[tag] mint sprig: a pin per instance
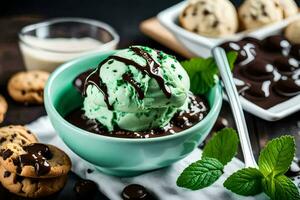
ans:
(274, 161)
(201, 174)
(246, 182)
(277, 156)
(222, 146)
(208, 170)
(202, 72)
(280, 187)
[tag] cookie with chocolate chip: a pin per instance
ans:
(28, 87)
(35, 160)
(254, 14)
(3, 108)
(207, 17)
(16, 134)
(30, 187)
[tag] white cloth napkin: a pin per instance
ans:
(161, 182)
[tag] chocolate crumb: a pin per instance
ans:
(89, 171)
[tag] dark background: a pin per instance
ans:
(123, 15)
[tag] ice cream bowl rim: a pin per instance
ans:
(52, 110)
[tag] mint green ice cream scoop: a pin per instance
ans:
(136, 89)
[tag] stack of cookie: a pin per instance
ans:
(28, 168)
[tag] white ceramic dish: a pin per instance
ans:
(201, 46)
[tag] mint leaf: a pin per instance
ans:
(223, 146)
(280, 187)
(202, 71)
(245, 182)
(200, 174)
(231, 57)
(277, 156)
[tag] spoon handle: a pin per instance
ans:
(233, 96)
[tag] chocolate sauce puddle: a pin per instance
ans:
(266, 71)
(183, 120)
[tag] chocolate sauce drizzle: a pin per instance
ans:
(128, 78)
(94, 79)
(36, 156)
(151, 69)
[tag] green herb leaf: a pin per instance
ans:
(223, 146)
(280, 187)
(200, 174)
(202, 72)
(277, 156)
(245, 182)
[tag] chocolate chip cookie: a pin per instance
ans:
(3, 108)
(30, 187)
(28, 87)
(16, 134)
(34, 160)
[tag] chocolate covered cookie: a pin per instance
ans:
(34, 160)
(28, 87)
(30, 187)
(16, 134)
(3, 108)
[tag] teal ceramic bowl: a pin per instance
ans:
(119, 156)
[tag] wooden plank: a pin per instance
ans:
(152, 28)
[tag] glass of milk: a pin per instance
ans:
(48, 44)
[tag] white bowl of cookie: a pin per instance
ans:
(201, 25)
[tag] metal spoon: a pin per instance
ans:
(233, 96)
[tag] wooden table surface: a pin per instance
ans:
(11, 62)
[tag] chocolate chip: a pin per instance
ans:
(206, 12)
(6, 154)
(215, 24)
(23, 92)
(254, 17)
(195, 30)
(18, 179)
(2, 140)
(6, 174)
(134, 192)
(85, 188)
